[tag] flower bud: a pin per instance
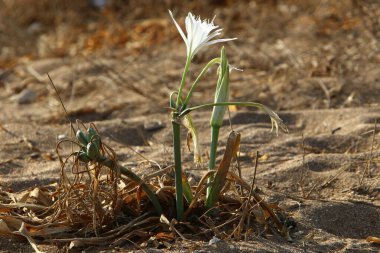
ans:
(83, 157)
(222, 91)
(92, 150)
(81, 137)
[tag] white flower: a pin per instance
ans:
(199, 33)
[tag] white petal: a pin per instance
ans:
(200, 33)
(214, 34)
(218, 40)
(179, 28)
(188, 23)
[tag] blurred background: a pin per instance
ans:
(295, 54)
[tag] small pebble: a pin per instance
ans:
(192, 181)
(34, 28)
(26, 96)
(99, 4)
(61, 137)
(153, 125)
(214, 240)
(34, 155)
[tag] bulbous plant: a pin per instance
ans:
(201, 34)
(92, 151)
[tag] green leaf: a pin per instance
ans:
(186, 189)
(81, 137)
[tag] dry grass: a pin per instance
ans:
(94, 205)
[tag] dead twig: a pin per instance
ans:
(369, 163)
(301, 181)
(259, 200)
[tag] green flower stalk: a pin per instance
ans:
(177, 167)
(221, 95)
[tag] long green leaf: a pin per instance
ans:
(128, 173)
(178, 168)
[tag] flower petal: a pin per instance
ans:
(179, 28)
(200, 33)
(218, 41)
(214, 34)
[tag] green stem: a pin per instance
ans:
(178, 168)
(204, 70)
(212, 161)
(185, 71)
(151, 195)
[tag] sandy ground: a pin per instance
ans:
(317, 65)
